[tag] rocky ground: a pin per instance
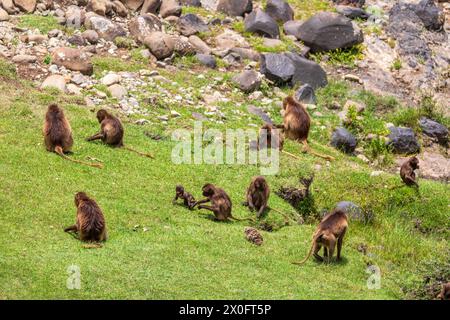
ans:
(138, 55)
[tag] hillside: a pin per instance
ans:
(158, 81)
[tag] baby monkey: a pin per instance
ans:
(188, 199)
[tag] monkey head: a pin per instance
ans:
(54, 111)
(414, 163)
(54, 108)
(179, 190)
(101, 115)
(80, 196)
(208, 190)
(260, 183)
(288, 101)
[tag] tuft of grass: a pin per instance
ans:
(346, 57)
(43, 23)
(124, 42)
(7, 69)
(397, 64)
(102, 64)
(334, 92)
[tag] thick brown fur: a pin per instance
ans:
(258, 194)
(220, 203)
(90, 222)
(112, 132)
(58, 134)
(188, 199)
(445, 293)
(407, 171)
(296, 124)
(331, 231)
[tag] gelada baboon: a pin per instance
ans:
(445, 293)
(188, 199)
(58, 134)
(269, 134)
(331, 231)
(220, 203)
(257, 196)
(111, 132)
(407, 171)
(296, 124)
(90, 222)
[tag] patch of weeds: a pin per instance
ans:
(258, 44)
(377, 149)
(396, 65)
(406, 117)
(103, 88)
(429, 108)
(102, 64)
(334, 92)
(7, 70)
(124, 43)
(48, 59)
(185, 62)
(346, 57)
(43, 23)
(375, 102)
(304, 9)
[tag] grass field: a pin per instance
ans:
(184, 254)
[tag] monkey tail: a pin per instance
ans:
(326, 157)
(148, 155)
(59, 151)
(286, 217)
(291, 155)
(243, 219)
(310, 251)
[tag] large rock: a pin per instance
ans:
(352, 210)
(403, 140)
(292, 28)
(434, 166)
(73, 59)
(150, 6)
(170, 8)
(24, 59)
(100, 7)
(235, 7)
(343, 140)
(105, 28)
(75, 17)
(142, 26)
(209, 4)
(207, 60)
(229, 39)
(352, 12)
(248, 81)
(192, 3)
(190, 24)
(307, 71)
(306, 94)
(4, 16)
(199, 45)
(55, 81)
(8, 5)
(277, 67)
(119, 8)
(435, 130)
(90, 36)
(261, 23)
(133, 5)
(279, 10)
(27, 6)
(160, 44)
(327, 31)
(429, 13)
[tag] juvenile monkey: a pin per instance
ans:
(90, 222)
(445, 293)
(111, 132)
(58, 134)
(296, 124)
(331, 231)
(258, 195)
(407, 171)
(220, 203)
(188, 199)
(269, 133)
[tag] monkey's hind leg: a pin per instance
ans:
(317, 248)
(97, 136)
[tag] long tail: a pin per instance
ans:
(291, 155)
(148, 155)
(309, 253)
(59, 151)
(329, 158)
(282, 213)
(244, 219)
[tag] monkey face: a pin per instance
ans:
(101, 115)
(259, 183)
(208, 190)
(414, 163)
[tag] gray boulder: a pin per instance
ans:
(207, 60)
(429, 13)
(403, 140)
(327, 31)
(307, 71)
(435, 130)
(352, 12)
(142, 26)
(190, 24)
(292, 28)
(277, 67)
(279, 10)
(248, 81)
(306, 94)
(261, 23)
(343, 140)
(235, 7)
(352, 210)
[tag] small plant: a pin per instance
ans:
(7, 70)
(378, 149)
(346, 57)
(396, 65)
(48, 59)
(124, 42)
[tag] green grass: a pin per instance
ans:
(346, 57)
(102, 64)
(184, 254)
(43, 23)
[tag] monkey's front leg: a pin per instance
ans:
(200, 202)
(175, 199)
(210, 208)
(97, 136)
(261, 211)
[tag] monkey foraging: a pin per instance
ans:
(407, 171)
(188, 199)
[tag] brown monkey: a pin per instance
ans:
(331, 231)
(220, 203)
(407, 171)
(296, 124)
(269, 133)
(58, 134)
(445, 293)
(111, 132)
(257, 195)
(188, 199)
(90, 224)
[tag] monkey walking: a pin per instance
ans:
(220, 203)
(331, 231)
(188, 199)
(90, 223)
(111, 132)
(58, 134)
(269, 133)
(296, 125)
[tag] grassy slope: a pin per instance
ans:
(184, 254)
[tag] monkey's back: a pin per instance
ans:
(57, 132)
(112, 130)
(407, 171)
(297, 123)
(222, 203)
(91, 222)
(335, 221)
